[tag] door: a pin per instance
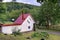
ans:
(34, 27)
(0, 29)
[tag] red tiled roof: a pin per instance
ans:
(19, 20)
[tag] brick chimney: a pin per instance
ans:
(23, 16)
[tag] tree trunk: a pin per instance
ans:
(47, 24)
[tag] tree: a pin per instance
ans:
(49, 12)
(25, 10)
(2, 7)
(53, 1)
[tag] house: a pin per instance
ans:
(23, 23)
(31, 2)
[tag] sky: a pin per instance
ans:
(32, 2)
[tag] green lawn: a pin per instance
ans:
(25, 35)
(54, 37)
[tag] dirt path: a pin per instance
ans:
(50, 31)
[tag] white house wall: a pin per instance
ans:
(6, 30)
(24, 26)
(16, 28)
(10, 29)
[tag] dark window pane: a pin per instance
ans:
(28, 21)
(28, 27)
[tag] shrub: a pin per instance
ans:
(17, 33)
(44, 34)
(35, 34)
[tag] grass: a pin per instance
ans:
(54, 37)
(18, 37)
(25, 35)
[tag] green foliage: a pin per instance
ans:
(52, 1)
(25, 10)
(43, 35)
(17, 33)
(13, 10)
(35, 13)
(49, 13)
(2, 8)
(35, 34)
(14, 14)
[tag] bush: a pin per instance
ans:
(17, 33)
(44, 34)
(35, 34)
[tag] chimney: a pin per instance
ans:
(22, 15)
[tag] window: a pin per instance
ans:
(28, 27)
(28, 21)
(0, 28)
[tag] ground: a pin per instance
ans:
(24, 36)
(49, 31)
(54, 37)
